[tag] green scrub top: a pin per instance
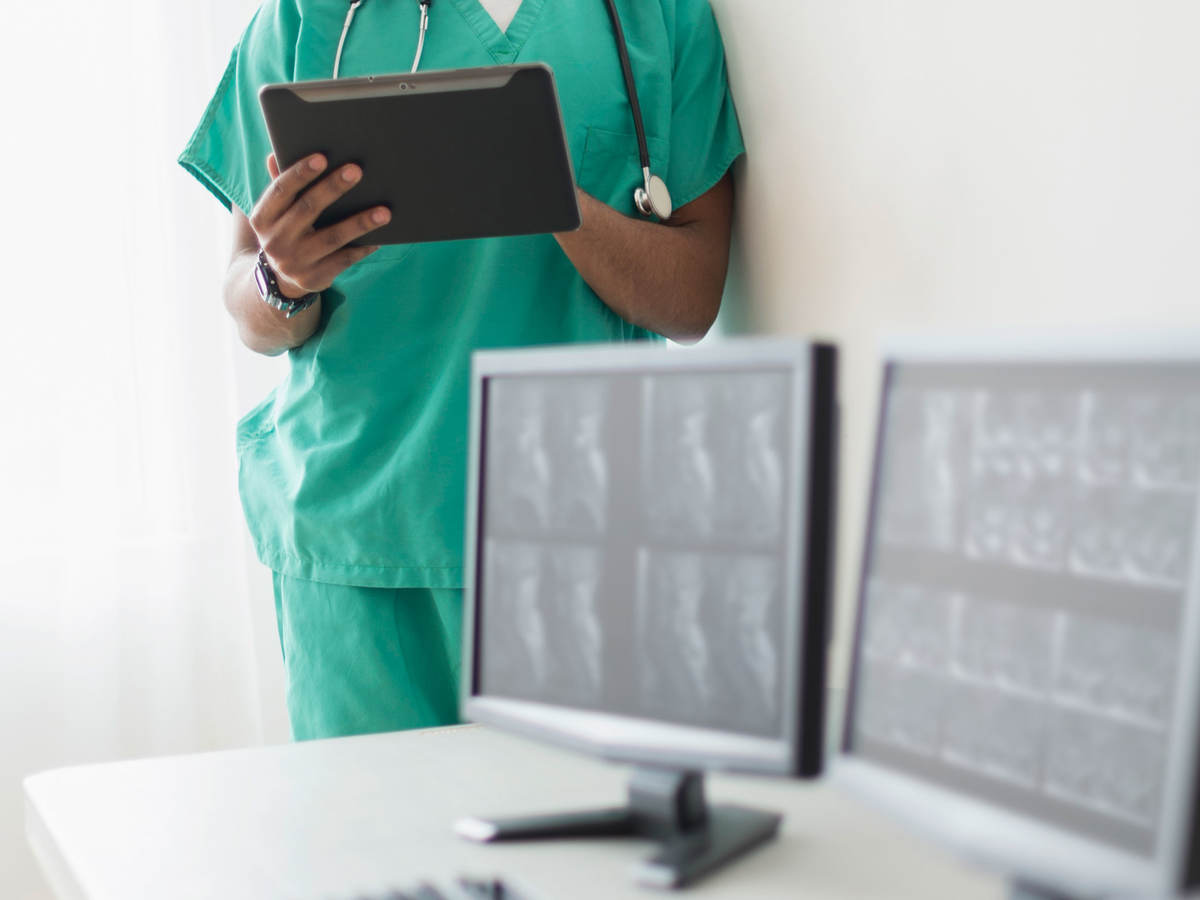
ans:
(353, 471)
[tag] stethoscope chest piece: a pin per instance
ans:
(654, 199)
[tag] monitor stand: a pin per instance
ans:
(664, 805)
(1024, 890)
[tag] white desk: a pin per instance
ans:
(334, 819)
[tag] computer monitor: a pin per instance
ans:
(648, 568)
(1025, 680)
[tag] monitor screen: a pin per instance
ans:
(647, 576)
(633, 543)
(1027, 562)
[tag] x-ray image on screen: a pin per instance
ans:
(680, 460)
(632, 553)
(900, 707)
(520, 454)
(584, 470)
(911, 625)
(1166, 445)
(546, 635)
(1124, 670)
(997, 734)
(1159, 547)
(572, 608)
(1136, 492)
(1106, 438)
(517, 659)
(1032, 540)
(995, 703)
(1003, 645)
(926, 475)
(674, 646)
(548, 455)
(1020, 505)
(1107, 765)
(1103, 532)
(713, 463)
(707, 639)
(748, 661)
(1133, 534)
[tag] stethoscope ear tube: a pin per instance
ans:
(425, 4)
(337, 60)
(652, 198)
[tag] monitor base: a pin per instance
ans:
(665, 806)
(1023, 890)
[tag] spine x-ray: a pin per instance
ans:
(634, 544)
(1025, 584)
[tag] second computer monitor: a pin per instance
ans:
(1025, 676)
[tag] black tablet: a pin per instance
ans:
(458, 153)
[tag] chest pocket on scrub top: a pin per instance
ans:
(611, 168)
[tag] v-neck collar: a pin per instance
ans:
(503, 46)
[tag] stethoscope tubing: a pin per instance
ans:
(337, 59)
(354, 5)
(630, 87)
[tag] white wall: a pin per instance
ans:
(940, 164)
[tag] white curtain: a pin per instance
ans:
(129, 625)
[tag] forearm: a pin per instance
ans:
(261, 328)
(664, 277)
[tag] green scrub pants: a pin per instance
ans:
(360, 660)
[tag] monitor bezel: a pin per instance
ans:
(1016, 844)
(625, 738)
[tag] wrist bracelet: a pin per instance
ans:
(268, 289)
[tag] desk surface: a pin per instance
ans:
(337, 819)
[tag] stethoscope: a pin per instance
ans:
(652, 198)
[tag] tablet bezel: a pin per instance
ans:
(560, 185)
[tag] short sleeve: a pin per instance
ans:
(228, 151)
(705, 137)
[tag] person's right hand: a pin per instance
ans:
(307, 259)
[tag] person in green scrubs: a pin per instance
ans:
(352, 472)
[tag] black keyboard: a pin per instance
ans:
(461, 889)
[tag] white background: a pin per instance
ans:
(126, 600)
